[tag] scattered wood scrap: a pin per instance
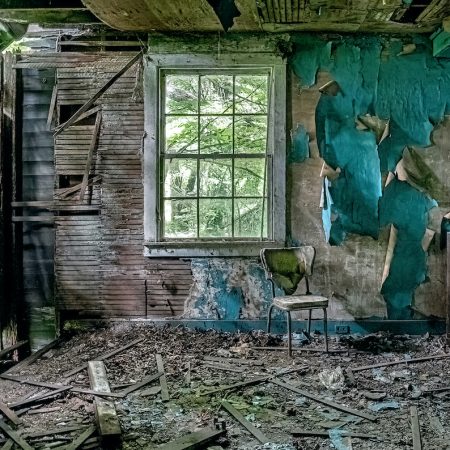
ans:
(245, 423)
(299, 349)
(105, 410)
(195, 440)
(9, 444)
(401, 361)
(34, 357)
(10, 349)
(55, 431)
(433, 390)
(39, 399)
(222, 367)
(103, 357)
(14, 436)
(8, 413)
(415, 428)
(252, 362)
(78, 442)
(44, 410)
(162, 380)
(237, 385)
(318, 399)
(140, 384)
(325, 434)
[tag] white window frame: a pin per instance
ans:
(154, 245)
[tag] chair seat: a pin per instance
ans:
(294, 302)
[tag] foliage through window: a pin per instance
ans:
(215, 165)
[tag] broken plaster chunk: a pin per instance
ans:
(379, 126)
(331, 88)
(407, 49)
(329, 172)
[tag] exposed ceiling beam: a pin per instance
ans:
(48, 15)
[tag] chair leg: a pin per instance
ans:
(309, 321)
(325, 328)
(269, 318)
(289, 335)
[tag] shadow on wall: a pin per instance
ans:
(373, 126)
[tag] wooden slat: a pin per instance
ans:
(14, 436)
(415, 427)
(245, 423)
(92, 147)
(11, 348)
(196, 440)
(105, 411)
(162, 381)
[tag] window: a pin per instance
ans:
(213, 171)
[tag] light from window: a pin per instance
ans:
(214, 155)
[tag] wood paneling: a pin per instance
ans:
(100, 267)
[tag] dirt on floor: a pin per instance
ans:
(375, 403)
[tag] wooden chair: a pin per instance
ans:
(285, 268)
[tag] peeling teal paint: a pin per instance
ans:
(407, 209)
(412, 92)
(300, 145)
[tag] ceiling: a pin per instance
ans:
(380, 16)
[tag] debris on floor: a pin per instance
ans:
(135, 386)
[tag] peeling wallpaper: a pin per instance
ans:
(411, 90)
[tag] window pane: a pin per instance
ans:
(181, 134)
(181, 94)
(250, 134)
(251, 94)
(215, 218)
(216, 95)
(216, 134)
(215, 177)
(180, 218)
(248, 218)
(249, 177)
(180, 177)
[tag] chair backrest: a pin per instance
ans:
(286, 267)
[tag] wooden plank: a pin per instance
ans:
(60, 430)
(219, 366)
(36, 219)
(11, 348)
(99, 43)
(98, 94)
(86, 114)
(78, 442)
(51, 109)
(48, 15)
(9, 444)
(104, 356)
(197, 440)
(401, 361)
(39, 399)
(325, 434)
(8, 413)
(237, 385)
(34, 357)
(105, 411)
(63, 193)
(252, 362)
(14, 436)
(318, 399)
(92, 146)
(245, 423)
(140, 384)
(162, 380)
(415, 428)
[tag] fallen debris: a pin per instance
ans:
(105, 411)
(245, 423)
(325, 434)
(14, 436)
(251, 362)
(81, 439)
(402, 361)
(197, 439)
(236, 386)
(324, 401)
(10, 414)
(162, 379)
(415, 427)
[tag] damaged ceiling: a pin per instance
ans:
(272, 15)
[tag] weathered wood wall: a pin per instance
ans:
(100, 267)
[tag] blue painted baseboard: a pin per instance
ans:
(279, 326)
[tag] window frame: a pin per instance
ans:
(154, 66)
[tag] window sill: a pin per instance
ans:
(207, 249)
